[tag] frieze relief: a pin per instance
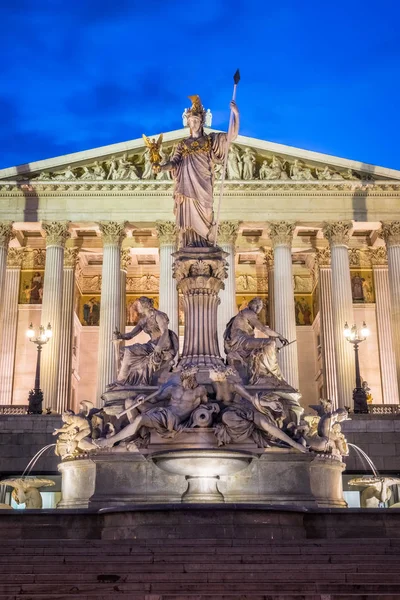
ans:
(248, 284)
(244, 164)
(359, 258)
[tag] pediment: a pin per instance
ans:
(250, 160)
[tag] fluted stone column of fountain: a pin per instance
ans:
(387, 357)
(126, 258)
(9, 321)
(67, 329)
(391, 235)
(168, 303)
(200, 273)
(110, 308)
(281, 234)
(227, 235)
(56, 235)
(323, 258)
(269, 261)
(338, 235)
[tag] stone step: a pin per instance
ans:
(243, 588)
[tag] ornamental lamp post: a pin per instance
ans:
(355, 337)
(35, 397)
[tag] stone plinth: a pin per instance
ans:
(200, 273)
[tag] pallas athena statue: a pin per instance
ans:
(192, 167)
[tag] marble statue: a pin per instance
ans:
(98, 171)
(274, 171)
(192, 170)
(164, 175)
(87, 174)
(75, 435)
(112, 168)
(260, 419)
(141, 361)
(241, 345)
(208, 118)
(26, 490)
(148, 172)
(44, 176)
(327, 174)
(328, 437)
(183, 396)
(234, 166)
(299, 172)
(125, 169)
(349, 174)
(377, 490)
(68, 174)
(249, 164)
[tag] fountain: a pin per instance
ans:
(200, 429)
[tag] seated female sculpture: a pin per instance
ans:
(258, 354)
(141, 361)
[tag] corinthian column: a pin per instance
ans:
(166, 232)
(66, 333)
(125, 262)
(9, 321)
(338, 235)
(391, 235)
(6, 234)
(323, 258)
(110, 308)
(269, 261)
(281, 234)
(387, 357)
(227, 235)
(56, 235)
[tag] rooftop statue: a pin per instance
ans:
(192, 167)
(141, 361)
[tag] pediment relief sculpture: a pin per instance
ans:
(244, 164)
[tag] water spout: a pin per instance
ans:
(34, 460)
(365, 457)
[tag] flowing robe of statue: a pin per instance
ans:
(194, 178)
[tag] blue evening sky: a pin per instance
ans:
(85, 73)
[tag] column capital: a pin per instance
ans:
(268, 257)
(126, 258)
(228, 232)
(281, 233)
(337, 232)
(6, 233)
(14, 258)
(112, 232)
(323, 257)
(56, 233)
(71, 256)
(166, 232)
(390, 232)
(378, 256)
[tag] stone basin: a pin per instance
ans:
(202, 469)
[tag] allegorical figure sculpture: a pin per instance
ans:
(183, 396)
(26, 490)
(259, 354)
(141, 361)
(192, 167)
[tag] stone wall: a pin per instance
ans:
(379, 437)
(21, 437)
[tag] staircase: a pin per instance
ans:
(200, 569)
